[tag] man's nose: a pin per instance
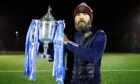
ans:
(81, 15)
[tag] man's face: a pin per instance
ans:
(82, 21)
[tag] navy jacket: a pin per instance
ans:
(92, 53)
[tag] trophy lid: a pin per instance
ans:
(48, 16)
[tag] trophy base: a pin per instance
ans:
(49, 58)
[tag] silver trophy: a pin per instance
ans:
(46, 31)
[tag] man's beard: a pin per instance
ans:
(82, 25)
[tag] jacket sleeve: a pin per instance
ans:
(92, 53)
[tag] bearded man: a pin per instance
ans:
(83, 66)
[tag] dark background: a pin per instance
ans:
(120, 19)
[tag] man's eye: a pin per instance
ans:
(85, 13)
(77, 14)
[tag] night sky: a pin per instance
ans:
(120, 19)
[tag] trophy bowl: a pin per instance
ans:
(46, 32)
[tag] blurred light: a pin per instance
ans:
(16, 33)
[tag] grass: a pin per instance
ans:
(16, 63)
(116, 69)
(122, 69)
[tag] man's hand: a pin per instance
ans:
(66, 40)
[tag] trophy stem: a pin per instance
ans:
(45, 48)
(48, 56)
